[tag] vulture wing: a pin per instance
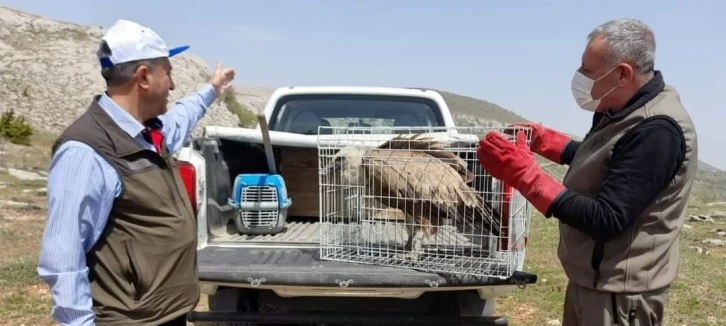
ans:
(425, 190)
(431, 147)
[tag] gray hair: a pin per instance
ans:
(628, 40)
(121, 73)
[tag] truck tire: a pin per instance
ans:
(226, 300)
(470, 304)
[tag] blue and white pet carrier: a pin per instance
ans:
(262, 202)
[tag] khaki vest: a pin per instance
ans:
(645, 257)
(143, 269)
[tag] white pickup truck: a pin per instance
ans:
(279, 277)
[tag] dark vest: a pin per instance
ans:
(143, 269)
(645, 257)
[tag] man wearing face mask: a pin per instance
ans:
(623, 201)
(119, 246)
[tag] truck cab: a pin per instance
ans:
(279, 276)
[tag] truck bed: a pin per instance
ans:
(300, 234)
(305, 233)
(291, 257)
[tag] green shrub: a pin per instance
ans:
(247, 118)
(15, 128)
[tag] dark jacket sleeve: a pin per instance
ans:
(569, 153)
(643, 162)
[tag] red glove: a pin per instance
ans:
(515, 165)
(546, 142)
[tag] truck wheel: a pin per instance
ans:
(470, 304)
(226, 300)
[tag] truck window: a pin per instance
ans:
(302, 114)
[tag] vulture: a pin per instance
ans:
(422, 178)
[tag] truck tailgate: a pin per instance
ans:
(303, 267)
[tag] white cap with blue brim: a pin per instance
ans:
(129, 41)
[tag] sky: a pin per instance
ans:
(520, 55)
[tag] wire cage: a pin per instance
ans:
(413, 198)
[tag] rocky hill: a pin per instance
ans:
(709, 186)
(472, 111)
(49, 72)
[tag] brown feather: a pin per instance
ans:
(428, 145)
(425, 190)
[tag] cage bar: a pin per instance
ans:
(417, 197)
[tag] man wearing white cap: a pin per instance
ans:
(119, 247)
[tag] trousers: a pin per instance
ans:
(587, 307)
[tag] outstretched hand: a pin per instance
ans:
(514, 164)
(503, 159)
(221, 79)
(545, 141)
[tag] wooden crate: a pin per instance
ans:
(299, 169)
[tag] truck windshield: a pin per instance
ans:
(303, 114)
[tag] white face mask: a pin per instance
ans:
(582, 89)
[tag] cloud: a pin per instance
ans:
(260, 34)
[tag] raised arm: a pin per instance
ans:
(643, 163)
(81, 189)
(182, 118)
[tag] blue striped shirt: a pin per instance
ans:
(81, 189)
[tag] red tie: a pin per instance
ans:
(155, 137)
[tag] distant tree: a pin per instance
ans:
(247, 118)
(15, 128)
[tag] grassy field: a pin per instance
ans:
(698, 297)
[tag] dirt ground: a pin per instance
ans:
(698, 297)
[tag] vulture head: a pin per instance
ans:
(344, 179)
(345, 167)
